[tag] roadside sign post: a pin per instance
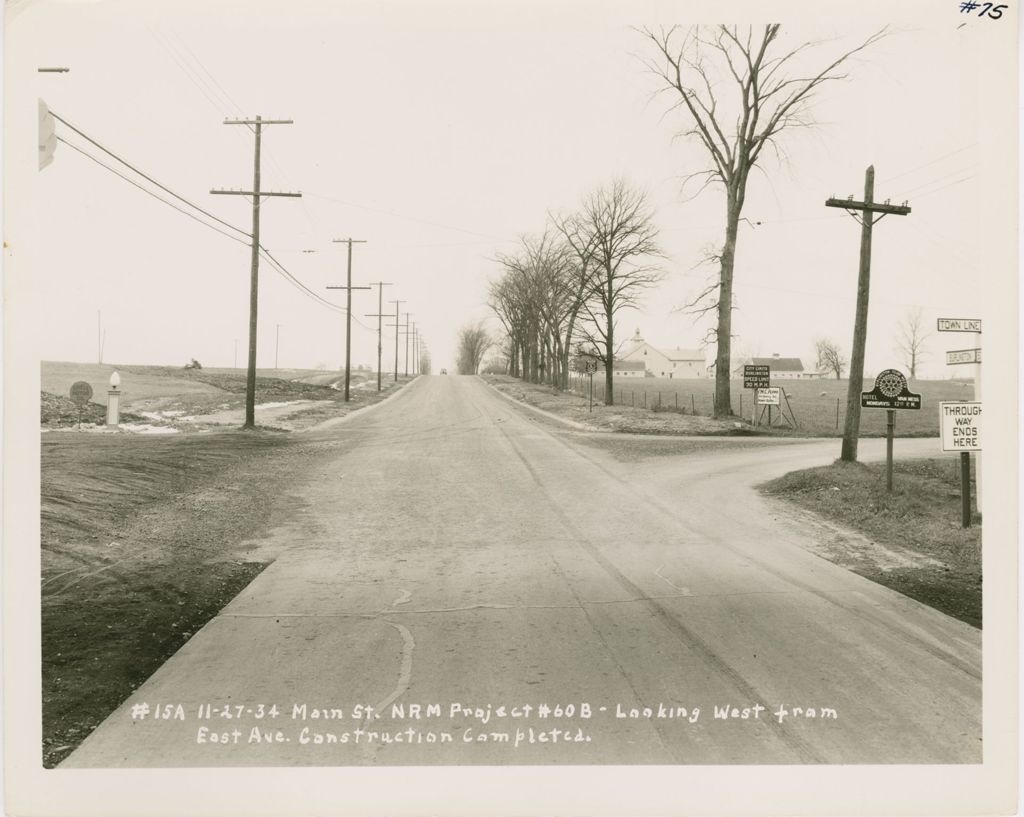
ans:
(757, 377)
(965, 489)
(81, 393)
(771, 396)
(891, 393)
(590, 366)
(890, 430)
(962, 356)
(960, 425)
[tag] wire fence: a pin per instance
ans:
(817, 407)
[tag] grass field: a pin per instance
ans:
(190, 399)
(914, 540)
(815, 403)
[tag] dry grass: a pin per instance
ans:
(142, 543)
(614, 418)
(917, 545)
(814, 403)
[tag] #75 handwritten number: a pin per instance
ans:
(994, 12)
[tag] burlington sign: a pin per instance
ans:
(757, 377)
(890, 392)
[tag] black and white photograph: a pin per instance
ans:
(510, 407)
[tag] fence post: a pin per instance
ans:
(632, 398)
(693, 407)
(677, 399)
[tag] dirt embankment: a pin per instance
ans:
(144, 539)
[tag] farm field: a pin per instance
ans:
(171, 398)
(815, 403)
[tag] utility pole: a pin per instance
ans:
(866, 208)
(277, 343)
(348, 308)
(379, 316)
(413, 341)
(256, 125)
(396, 324)
(406, 333)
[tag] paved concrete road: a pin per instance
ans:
(457, 551)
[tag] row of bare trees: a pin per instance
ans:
(560, 292)
(737, 90)
(474, 341)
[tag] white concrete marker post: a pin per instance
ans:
(114, 401)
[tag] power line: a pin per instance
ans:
(150, 192)
(278, 267)
(929, 164)
(937, 180)
(951, 184)
(216, 95)
(407, 218)
(132, 167)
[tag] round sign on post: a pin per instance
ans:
(81, 393)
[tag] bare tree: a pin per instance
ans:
(473, 342)
(911, 333)
(616, 224)
(538, 300)
(830, 357)
(693, 64)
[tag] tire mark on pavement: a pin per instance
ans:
(683, 591)
(682, 633)
(865, 615)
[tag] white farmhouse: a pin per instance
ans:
(628, 368)
(672, 363)
(782, 368)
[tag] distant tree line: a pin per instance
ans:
(560, 291)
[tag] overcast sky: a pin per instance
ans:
(440, 132)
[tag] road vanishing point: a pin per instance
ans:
(459, 553)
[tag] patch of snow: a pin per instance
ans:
(281, 405)
(145, 428)
(161, 415)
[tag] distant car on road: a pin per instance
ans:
(444, 371)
